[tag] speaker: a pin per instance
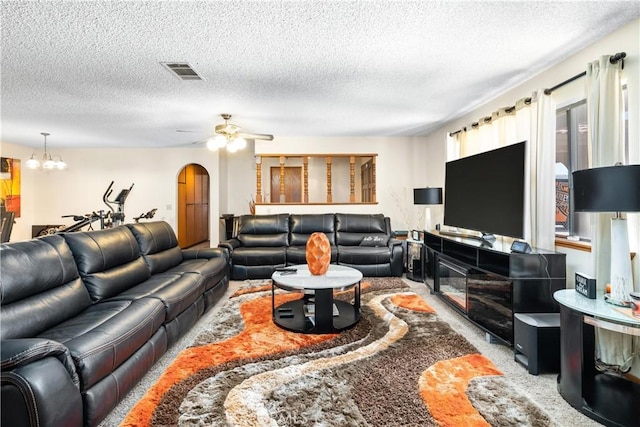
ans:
(537, 341)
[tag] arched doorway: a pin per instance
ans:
(193, 205)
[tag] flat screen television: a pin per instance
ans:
(485, 192)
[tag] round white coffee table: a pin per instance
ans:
(316, 312)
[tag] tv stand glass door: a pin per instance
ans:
(452, 281)
(490, 302)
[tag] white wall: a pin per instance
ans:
(240, 180)
(626, 39)
(46, 196)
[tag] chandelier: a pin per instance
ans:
(48, 161)
(232, 142)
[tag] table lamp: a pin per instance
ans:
(427, 196)
(612, 189)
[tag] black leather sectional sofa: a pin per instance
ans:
(265, 242)
(85, 315)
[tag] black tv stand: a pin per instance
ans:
(488, 285)
(486, 238)
(459, 234)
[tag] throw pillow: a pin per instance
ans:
(376, 240)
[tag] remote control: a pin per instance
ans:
(287, 272)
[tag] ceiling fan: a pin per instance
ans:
(227, 135)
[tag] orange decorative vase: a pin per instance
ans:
(318, 253)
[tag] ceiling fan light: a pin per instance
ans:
(221, 141)
(212, 144)
(240, 142)
(232, 147)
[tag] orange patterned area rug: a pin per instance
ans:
(399, 366)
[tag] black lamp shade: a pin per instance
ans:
(607, 189)
(427, 196)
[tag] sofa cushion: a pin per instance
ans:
(364, 255)
(301, 226)
(43, 274)
(259, 256)
(30, 316)
(176, 291)
(108, 260)
(159, 248)
(352, 228)
(298, 255)
(263, 230)
(100, 399)
(158, 245)
(361, 223)
(212, 270)
(36, 266)
(375, 240)
(104, 335)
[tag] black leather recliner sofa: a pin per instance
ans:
(85, 315)
(265, 242)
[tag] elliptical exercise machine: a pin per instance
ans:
(115, 216)
(146, 215)
(111, 218)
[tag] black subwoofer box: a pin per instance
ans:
(537, 341)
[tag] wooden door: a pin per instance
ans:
(193, 205)
(367, 181)
(292, 184)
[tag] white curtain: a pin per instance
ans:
(535, 123)
(606, 147)
(542, 158)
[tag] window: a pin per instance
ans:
(571, 155)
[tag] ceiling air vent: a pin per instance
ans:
(181, 70)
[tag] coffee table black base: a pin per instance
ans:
(291, 315)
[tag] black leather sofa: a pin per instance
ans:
(85, 315)
(266, 242)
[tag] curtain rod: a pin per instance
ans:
(488, 119)
(612, 59)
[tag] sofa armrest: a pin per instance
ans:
(206, 253)
(229, 245)
(19, 352)
(39, 384)
(394, 242)
(397, 255)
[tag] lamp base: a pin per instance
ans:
(427, 218)
(621, 278)
(619, 303)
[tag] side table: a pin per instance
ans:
(609, 399)
(415, 260)
(317, 312)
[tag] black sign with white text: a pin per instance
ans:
(586, 285)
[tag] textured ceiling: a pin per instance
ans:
(89, 72)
